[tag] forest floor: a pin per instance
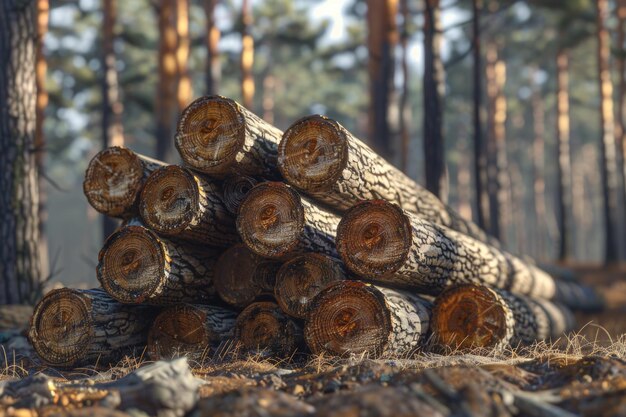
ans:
(583, 374)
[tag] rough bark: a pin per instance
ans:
(300, 279)
(247, 56)
(262, 328)
(241, 276)
(114, 179)
(275, 222)
(179, 204)
(184, 89)
(609, 176)
(236, 188)
(72, 327)
(380, 242)
(190, 330)
(351, 317)
(217, 136)
(136, 266)
(321, 158)
(564, 174)
(382, 38)
(213, 66)
(20, 264)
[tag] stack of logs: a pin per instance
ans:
(283, 242)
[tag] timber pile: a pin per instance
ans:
(285, 242)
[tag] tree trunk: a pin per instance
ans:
(241, 276)
(20, 260)
(539, 184)
(166, 100)
(189, 330)
(434, 86)
(404, 112)
(263, 329)
(381, 40)
(621, 97)
(300, 279)
(564, 173)
(114, 179)
(213, 64)
(218, 137)
(236, 189)
(136, 266)
(71, 328)
(247, 56)
(320, 157)
(607, 145)
(475, 316)
(351, 317)
(179, 204)
(380, 242)
(269, 94)
(184, 89)
(275, 222)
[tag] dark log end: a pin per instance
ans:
(61, 327)
(235, 272)
(169, 200)
(210, 133)
(348, 317)
(313, 153)
(471, 316)
(179, 330)
(131, 264)
(236, 188)
(374, 238)
(263, 328)
(271, 219)
(113, 181)
(300, 279)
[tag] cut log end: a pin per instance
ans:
(131, 264)
(471, 316)
(169, 200)
(61, 327)
(236, 279)
(300, 279)
(374, 238)
(348, 317)
(263, 328)
(313, 153)
(179, 330)
(236, 188)
(271, 219)
(113, 180)
(210, 133)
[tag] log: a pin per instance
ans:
(189, 330)
(217, 136)
(263, 329)
(72, 328)
(275, 222)
(236, 188)
(319, 157)
(137, 266)
(178, 203)
(476, 316)
(114, 178)
(300, 279)
(242, 276)
(352, 317)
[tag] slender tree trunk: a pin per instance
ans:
(269, 92)
(464, 179)
(607, 144)
(405, 110)
(621, 97)
(166, 85)
(538, 166)
(564, 194)
(43, 10)
(382, 38)
(184, 91)
(433, 106)
(247, 56)
(213, 67)
(112, 132)
(20, 263)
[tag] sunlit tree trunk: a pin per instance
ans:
(564, 194)
(213, 65)
(539, 184)
(405, 110)
(247, 56)
(166, 84)
(433, 98)
(184, 92)
(621, 97)
(607, 144)
(382, 38)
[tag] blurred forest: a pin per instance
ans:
(506, 92)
